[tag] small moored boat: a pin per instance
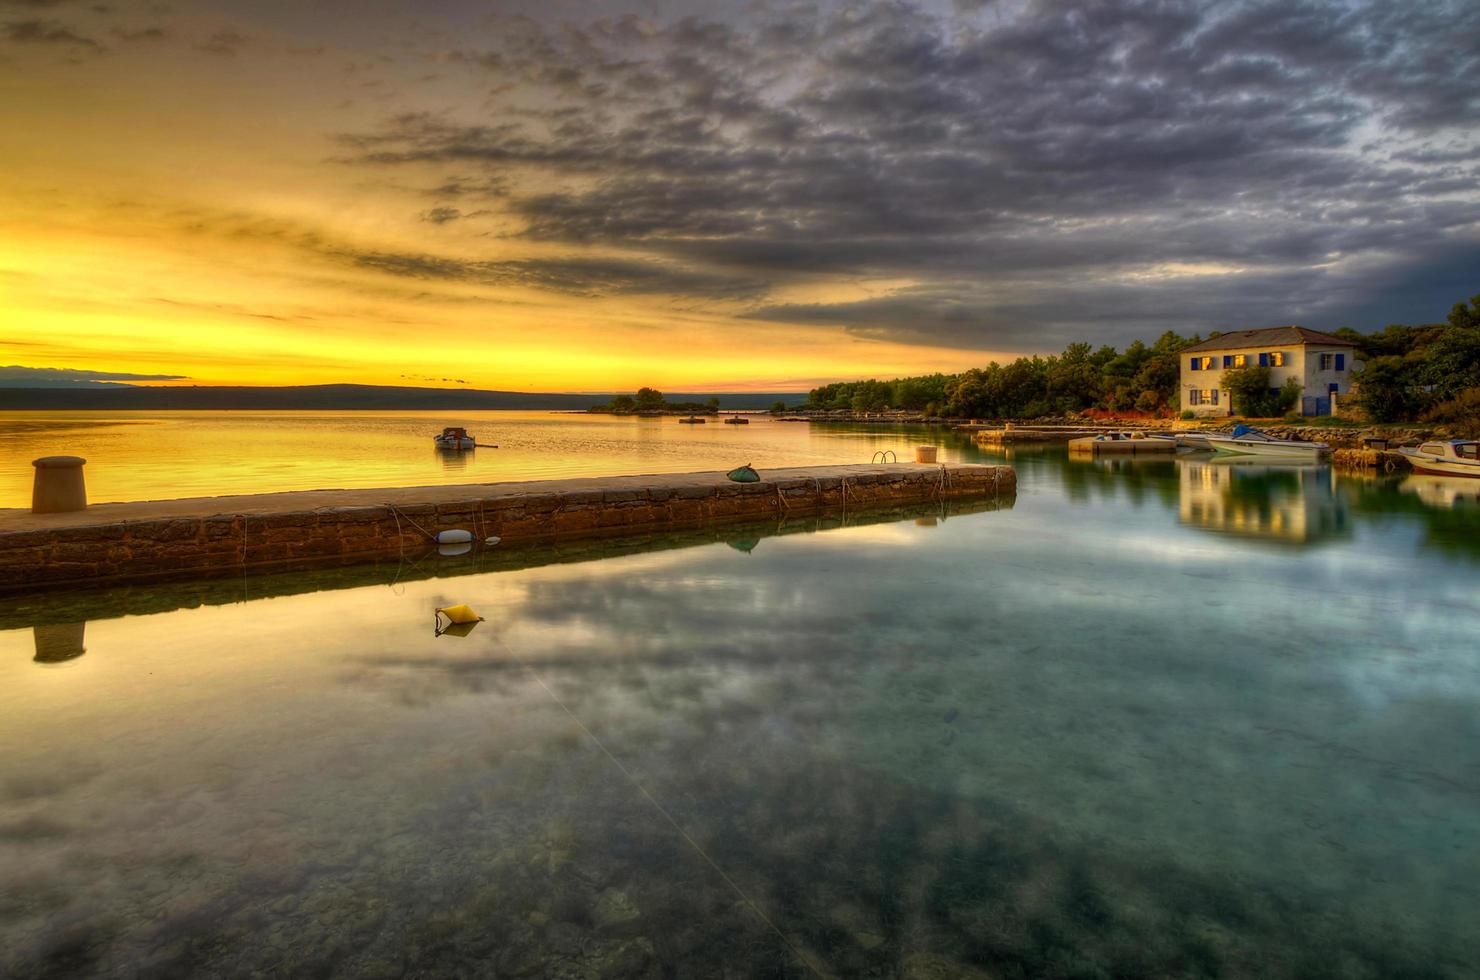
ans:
(454, 438)
(1122, 442)
(691, 420)
(736, 420)
(1456, 457)
(1244, 441)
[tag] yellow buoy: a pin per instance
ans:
(460, 614)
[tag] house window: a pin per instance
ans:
(1202, 364)
(1202, 396)
(1333, 362)
(1197, 364)
(1277, 358)
(1228, 360)
(1235, 360)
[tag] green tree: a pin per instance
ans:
(1451, 362)
(649, 399)
(1388, 390)
(623, 403)
(1253, 396)
(779, 408)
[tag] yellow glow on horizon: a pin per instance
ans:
(193, 222)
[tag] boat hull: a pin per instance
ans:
(1272, 449)
(1444, 467)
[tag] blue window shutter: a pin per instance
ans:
(1264, 360)
(1341, 362)
(1196, 363)
(1227, 360)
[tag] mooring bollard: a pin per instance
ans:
(58, 487)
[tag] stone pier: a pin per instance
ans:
(198, 537)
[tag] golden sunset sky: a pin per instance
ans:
(539, 197)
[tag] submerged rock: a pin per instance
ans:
(615, 913)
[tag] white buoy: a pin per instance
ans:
(456, 536)
(495, 539)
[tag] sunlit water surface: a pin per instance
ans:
(158, 455)
(1170, 718)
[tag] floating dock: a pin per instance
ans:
(197, 537)
(1010, 434)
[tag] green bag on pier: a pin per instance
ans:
(744, 474)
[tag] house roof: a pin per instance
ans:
(1269, 337)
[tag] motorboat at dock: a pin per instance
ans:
(1244, 441)
(1456, 457)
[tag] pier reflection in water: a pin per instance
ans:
(1076, 737)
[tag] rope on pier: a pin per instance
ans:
(398, 515)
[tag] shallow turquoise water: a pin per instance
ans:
(1176, 718)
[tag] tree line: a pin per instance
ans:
(1141, 378)
(652, 400)
(1411, 373)
(1425, 373)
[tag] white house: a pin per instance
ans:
(1322, 363)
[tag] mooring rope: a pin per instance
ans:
(398, 515)
(745, 899)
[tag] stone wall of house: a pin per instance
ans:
(198, 546)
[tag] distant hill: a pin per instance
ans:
(338, 397)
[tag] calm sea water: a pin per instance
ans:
(1168, 718)
(149, 456)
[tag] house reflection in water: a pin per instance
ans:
(1294, 503)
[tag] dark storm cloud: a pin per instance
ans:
(225, 43)
(572, 276)
(142, 34)
(15, 376)
(47, 32)
(1013, 160)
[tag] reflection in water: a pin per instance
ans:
(454, 460)
(1292, 503)
(1056, 741)
(1443, 491)
(59, 642)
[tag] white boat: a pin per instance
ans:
(1456, 457)
(454, 438)
(1244, 441)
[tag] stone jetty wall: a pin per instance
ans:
(174, 539)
